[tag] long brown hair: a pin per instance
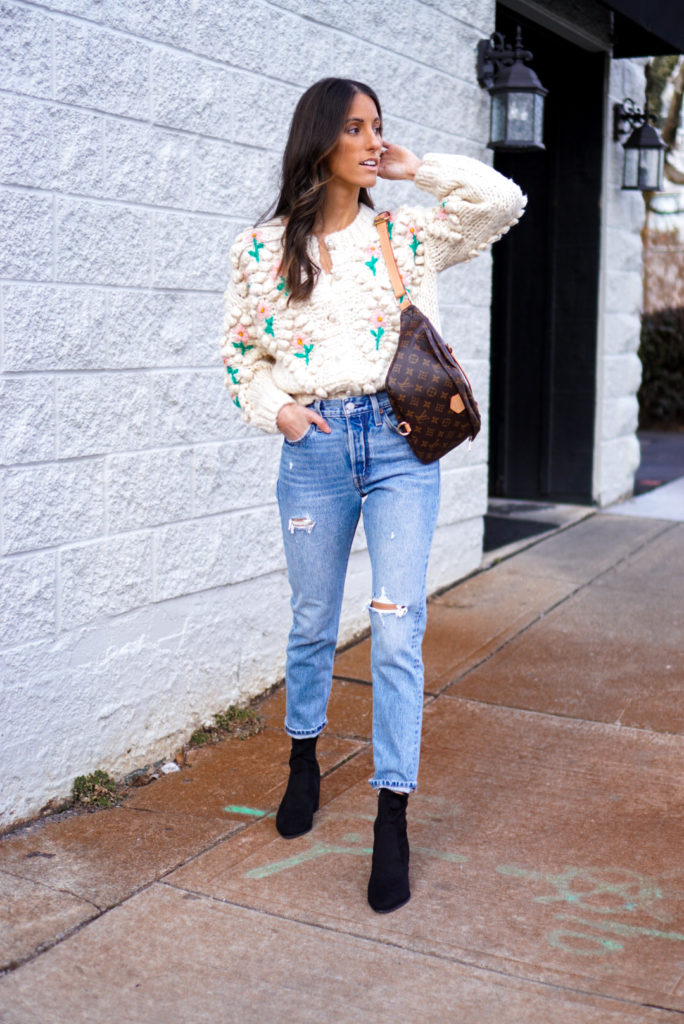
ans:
(317, 122)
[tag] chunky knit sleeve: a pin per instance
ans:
(477, 205)
(249, 367)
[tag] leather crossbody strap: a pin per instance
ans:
(381, 223)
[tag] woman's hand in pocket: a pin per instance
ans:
(293, 421)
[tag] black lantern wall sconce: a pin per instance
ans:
(517, 108)
(644, 149)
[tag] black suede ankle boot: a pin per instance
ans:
(388, 888)
(296, 811)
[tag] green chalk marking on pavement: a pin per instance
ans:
(253, 811)
(313, 853)
(628, 930)
(317, 850)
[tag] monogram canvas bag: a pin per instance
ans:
(428, 391)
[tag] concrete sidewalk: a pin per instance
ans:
(547, 836)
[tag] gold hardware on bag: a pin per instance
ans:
(456, 404)
(406, 428)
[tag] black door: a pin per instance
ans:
(545, 286)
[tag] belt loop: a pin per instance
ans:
(377, 415)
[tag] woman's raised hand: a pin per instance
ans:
(293, 421)
(397, 162)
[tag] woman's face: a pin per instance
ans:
(356, 157)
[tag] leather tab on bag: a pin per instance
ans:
(456, 404)
(388, 254)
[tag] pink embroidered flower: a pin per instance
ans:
(378, 322)
(303, 347)
(415, 241)
(373, 253)
(257, 246)
(241, 339)
(264, 312)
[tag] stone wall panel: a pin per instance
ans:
(49, 327)
(101, 70)
(144, 164)
(25, 50)
(192, 94)
(102, 243)
(99, 413)
(52, 504)
(28, 594)
(152, 329)
(104, 578)
(149, 488)
(26, 233)
(28, 425)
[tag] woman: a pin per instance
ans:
(311, 327)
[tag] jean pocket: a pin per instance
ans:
(300, 440)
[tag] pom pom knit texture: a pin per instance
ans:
(342, 339)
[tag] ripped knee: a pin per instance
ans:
(305, 523)
(383, 606)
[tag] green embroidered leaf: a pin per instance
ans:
(255, 250)
(268, 326)
(378, 335)
(241, 347)
(233, 374)
(415, 242)
(371, 264)
(305, 353)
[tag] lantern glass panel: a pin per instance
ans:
(649, 160)
(498, 118)
(521, 120)
(538, 118)
(630, 177)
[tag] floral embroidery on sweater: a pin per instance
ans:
(267, 318)
(373, 252)
(415, 241)
(241, 335)
(257, 245)
(303, 348)
(378, 322)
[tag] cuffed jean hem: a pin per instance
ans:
(304, 734)
(393, 784)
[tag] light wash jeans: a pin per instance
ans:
(325, 481)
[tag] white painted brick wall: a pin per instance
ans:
(142, 582)
(616, 449)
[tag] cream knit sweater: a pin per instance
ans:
(342, 339)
